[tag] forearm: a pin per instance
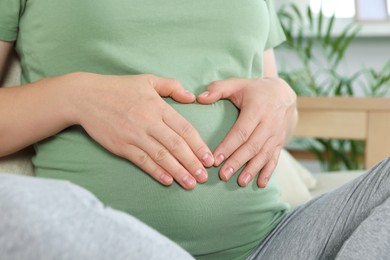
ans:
(292, 125)
(293, 111)
(33, 112)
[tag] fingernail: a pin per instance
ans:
(228, 172)
(247, 178)
(189, 181)
(201, 175)
(166, 179)
(219, 159)
(265, 182)
(208, 159)
(204, 94)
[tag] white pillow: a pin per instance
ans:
(12, 75)
(18, 163)
(303, 173)
(294, 180)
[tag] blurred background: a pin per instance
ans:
(335, 48)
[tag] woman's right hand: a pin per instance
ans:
(127, 116)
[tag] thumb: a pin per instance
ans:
(168, 87)
(222, 89)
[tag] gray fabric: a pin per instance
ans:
(351, 222)
(50, 219)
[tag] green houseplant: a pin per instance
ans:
(320, 51)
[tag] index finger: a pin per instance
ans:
(184, 129)
(239, 134)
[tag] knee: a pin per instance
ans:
(378, 177)
(17, 191)
(13, 185)
(382, 167)
(22, 193)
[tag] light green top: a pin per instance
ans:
(196, 42)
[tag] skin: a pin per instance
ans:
(155, 137)
(268, 116)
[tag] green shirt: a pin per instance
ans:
(196, 42)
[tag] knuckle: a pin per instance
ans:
(235, 163)
(242, 134)
(151, 79)
(161, 155)
(266, 154)
(175, 142)
(175, 82)
(120, 152)
(163, 110)
(187, 130)
(254, 148)
(201, 149)
(213, 84)
(141, 159)
(141, 116)
(119, 148)
(235, 99)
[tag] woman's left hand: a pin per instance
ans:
(266, 121)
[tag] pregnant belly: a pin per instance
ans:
(211, 121)
(214, 217)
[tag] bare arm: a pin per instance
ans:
(270, 69)
(29, 113)
(155, 137)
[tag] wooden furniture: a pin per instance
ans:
(355, 118)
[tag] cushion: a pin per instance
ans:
(305, 175)
(18, 163)
(295, 181)
(12, 75)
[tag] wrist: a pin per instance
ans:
(68, 95)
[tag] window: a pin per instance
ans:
(342, 8)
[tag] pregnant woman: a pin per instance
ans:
(171, 112)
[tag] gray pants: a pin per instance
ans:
(352, 222)
(47, 219)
